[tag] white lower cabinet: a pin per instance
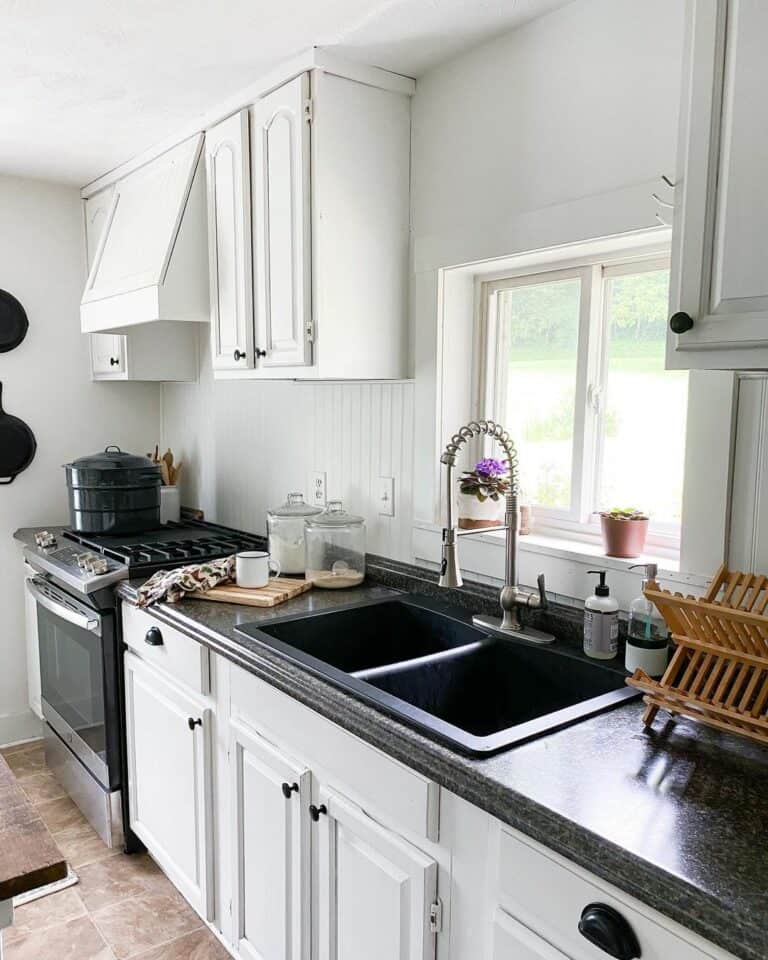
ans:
(168, 733)
(376, 892)
(324, 848)
(270, 799)
(513, 941)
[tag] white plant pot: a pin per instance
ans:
(474, 515)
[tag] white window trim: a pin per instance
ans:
(580, 522)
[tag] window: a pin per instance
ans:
(573, 365)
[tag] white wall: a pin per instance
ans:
(554, 134)
(46, 383)
(245, 445)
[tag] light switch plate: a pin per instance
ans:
(317, 485)
(387, 496)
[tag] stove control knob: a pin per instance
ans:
(45, 539)
(99, 566)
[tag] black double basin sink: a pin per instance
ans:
(434, 671)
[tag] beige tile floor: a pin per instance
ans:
(123, 907)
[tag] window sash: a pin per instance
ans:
(581, 520)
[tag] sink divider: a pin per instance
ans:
(388, 669)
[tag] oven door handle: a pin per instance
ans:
(92, 624)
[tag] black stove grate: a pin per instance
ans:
(176, 544)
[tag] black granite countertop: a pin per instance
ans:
(676, 817)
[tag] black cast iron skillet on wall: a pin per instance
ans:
(13, 322)
(17, 445)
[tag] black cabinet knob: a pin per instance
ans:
(288, 789)
(260, 353)
(192, 723)
(315, 812)
(114, 362)
(680, 322)
(609, 931)
(153, 637)
(239, 355)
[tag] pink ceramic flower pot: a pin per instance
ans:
(623, 538)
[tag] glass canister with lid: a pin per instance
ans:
(285, 527)
(335, 548)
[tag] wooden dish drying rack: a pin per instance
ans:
(718, 673)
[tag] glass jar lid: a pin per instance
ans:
(335, 515)
(294, 506)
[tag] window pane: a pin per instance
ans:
(643, 441)
(540, 332)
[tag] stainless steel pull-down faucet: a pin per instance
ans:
(512, 597)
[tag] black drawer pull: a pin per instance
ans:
(192, 723)
(288, 789)
(315, 812)
(680, 322)
(153, 637)
(608, 930)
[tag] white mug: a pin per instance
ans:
(252, 568)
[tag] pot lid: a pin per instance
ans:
(113, 458)
(335, 515)
(295, 506)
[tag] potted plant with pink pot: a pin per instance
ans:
(624, 531)
(482, 496)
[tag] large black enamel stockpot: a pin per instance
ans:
(113, 492)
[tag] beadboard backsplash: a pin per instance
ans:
(246, 444)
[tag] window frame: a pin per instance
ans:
(581, 521)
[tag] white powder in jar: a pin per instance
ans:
(288, 553)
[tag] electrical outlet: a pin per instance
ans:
(387, 496)
(317, 484)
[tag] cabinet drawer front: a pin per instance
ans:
(547, 897)
(513, 941)
(399, 795)
(181, 657)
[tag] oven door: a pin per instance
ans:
(77, 677)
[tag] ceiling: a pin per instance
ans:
(87, 84)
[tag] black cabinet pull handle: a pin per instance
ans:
(680, 322)
(114, 362)
(609, 931)
(239, 355)
(288, 789)
(260, 353)
(153, 637)
(192, 723)
(315, 812)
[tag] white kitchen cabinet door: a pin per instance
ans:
(108, 356)
(108, 350)
(375, 890)
(280, 184)
(719, 276)
(227, 161)
(513, 941)
(168, 736)
(271, 850)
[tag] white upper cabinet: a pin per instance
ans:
(329, 212)
(227, 160)
(719, 275)
(280, 167)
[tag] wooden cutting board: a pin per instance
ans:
(278, 590)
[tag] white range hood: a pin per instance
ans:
(152, 262)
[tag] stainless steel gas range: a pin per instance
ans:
(81, 652)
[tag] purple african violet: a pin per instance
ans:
(490, 467)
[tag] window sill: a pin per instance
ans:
(565, 562)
